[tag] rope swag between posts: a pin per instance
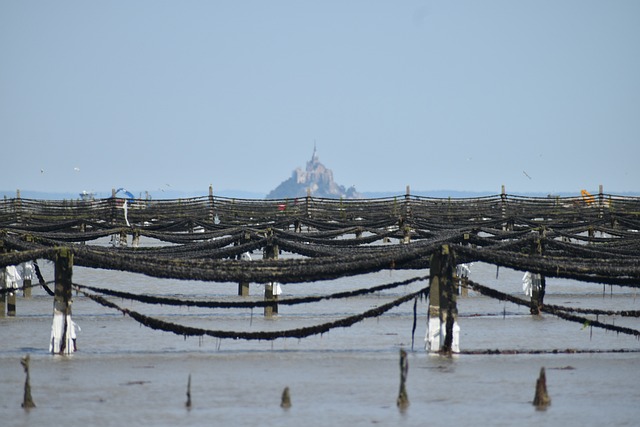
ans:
(185, 331)
(592, 239)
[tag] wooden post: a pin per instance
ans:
(503, 197)
(3, 286)
(601, 201)
(27, 401)
(443, 330)
(212, 214)
(188, 402)
(62, 332)
(135, 239)
(243, 287)
(26, 288)
(27, 273)
(541, 399)
(308, 203)
(18, 208)
(403, 398)
(407, 206)
(406, 221)
(11, 304)
(270, 252)
(538, 282)
(114, 207)
(285, 400)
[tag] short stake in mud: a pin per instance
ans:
(403, 399)
(542, 399)
(188, 403)
(27, 402)
(285, 402)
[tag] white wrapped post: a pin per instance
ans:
(27, 277)
(11, 282)
(442, 305)
(271, 289)
(63, 334)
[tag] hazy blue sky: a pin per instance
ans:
(539, 95)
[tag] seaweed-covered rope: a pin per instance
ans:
(304, 332)
(554, 310)
(148, 299)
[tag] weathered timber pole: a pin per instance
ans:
(27, 272)
(285, 400)
(63, 332)
(403, 398)
(188, 402)
(442, 329)
(405, 223)
(308, 203)
(538, 281)
(600, 201)
(212, 214)
(18, 207)
(243, 287)
(3, 285)
(114, 206)
(270, 252)
(503, 208)
(3, 295)
(27, 401)
(541, 399)
(123, 238)
(11, 298)
(135, 238)
(26, 283)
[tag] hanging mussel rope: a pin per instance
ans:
(148, 299)
(562, 312)
(304, 332)
(594, 240)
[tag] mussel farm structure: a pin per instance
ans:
(593, 239)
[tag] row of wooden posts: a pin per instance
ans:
(442, 312)
(541, 398)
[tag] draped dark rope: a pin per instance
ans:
(554, 310)
(304, 332)
(148, 299)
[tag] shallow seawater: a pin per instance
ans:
(127, 374)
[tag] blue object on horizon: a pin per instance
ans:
(128, 194)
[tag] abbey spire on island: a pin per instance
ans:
(315, 178)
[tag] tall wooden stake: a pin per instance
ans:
(188, 403)
(538, 282)
(403, 398)
(270, 252)
(3, 285)
(27, 401)
(212, 212)
(285, 400)
(243, 287)
(62, 332)
(443, 330)
(541, 399)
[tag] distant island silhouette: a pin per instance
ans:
(315, 178)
